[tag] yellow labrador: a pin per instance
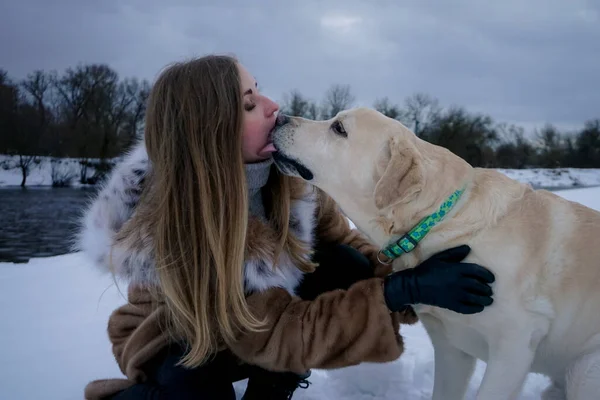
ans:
(544, 250)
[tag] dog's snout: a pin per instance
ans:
(282, 119)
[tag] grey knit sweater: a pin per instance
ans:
(257, 175)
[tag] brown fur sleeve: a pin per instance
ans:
(134, 330)
(337, 329)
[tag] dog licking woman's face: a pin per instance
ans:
(259, 115)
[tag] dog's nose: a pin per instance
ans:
(282, 119)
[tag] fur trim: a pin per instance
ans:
(105, 215)
(259, 272)
(133, 259)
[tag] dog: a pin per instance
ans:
(543, 250)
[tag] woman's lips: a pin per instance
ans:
(269, 147)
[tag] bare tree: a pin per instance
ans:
(470, 136)
(9, 105)
(419, 110)
(19, 134)
(117, 109)
(337, 98)
(384, 106)
(26, 163)
(38, 86)
(514, 150)
(294, 104)
(137, 111)
(587, 144)
(552, 144)
(120, 116)
(86, 112)
(74, 90)
(112, 112)
(92, 100)
(26, 140)
(313, 111)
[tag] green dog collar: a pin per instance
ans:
(410, 240)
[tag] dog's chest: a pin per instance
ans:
(472, 335)
(464, 337)
(456, 329)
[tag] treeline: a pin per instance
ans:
(475, 137)
(87, 112)
(90, 113)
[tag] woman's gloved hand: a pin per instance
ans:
(442, 281)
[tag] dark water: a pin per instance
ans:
(38, 222)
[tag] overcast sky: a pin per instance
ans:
(520, 61)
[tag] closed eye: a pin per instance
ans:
(339, 130)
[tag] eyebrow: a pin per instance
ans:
(249, 91)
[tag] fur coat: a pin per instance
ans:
(337, 329)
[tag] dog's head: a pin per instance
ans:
(359, 153)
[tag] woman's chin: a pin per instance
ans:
(259, 157)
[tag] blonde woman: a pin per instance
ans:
(220, 251)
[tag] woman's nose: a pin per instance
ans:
(271, 107)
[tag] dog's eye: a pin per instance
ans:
(338, 128)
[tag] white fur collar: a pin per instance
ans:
(115, 204)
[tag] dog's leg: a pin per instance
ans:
(583, 378)
(453, 367)
(510, 357)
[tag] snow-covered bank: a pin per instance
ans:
(53, 338)
(41, 173)
(555, 177)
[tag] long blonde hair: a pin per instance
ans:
(197, 207)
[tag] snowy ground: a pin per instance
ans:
(41, 173)
(53, 342)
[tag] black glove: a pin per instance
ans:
(442, 281)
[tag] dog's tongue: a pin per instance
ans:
(268, 149)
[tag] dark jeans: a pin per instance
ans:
(339, 267)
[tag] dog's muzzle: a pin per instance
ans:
(285, 163)
(289, 166)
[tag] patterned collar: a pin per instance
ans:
(410, 240)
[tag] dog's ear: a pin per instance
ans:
(403, 174)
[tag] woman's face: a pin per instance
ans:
(258, 119)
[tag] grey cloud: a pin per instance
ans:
(525, 62)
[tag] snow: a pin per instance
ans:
(53, 338)
(555, 178)
(40, 174)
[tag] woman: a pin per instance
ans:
(220, 252)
